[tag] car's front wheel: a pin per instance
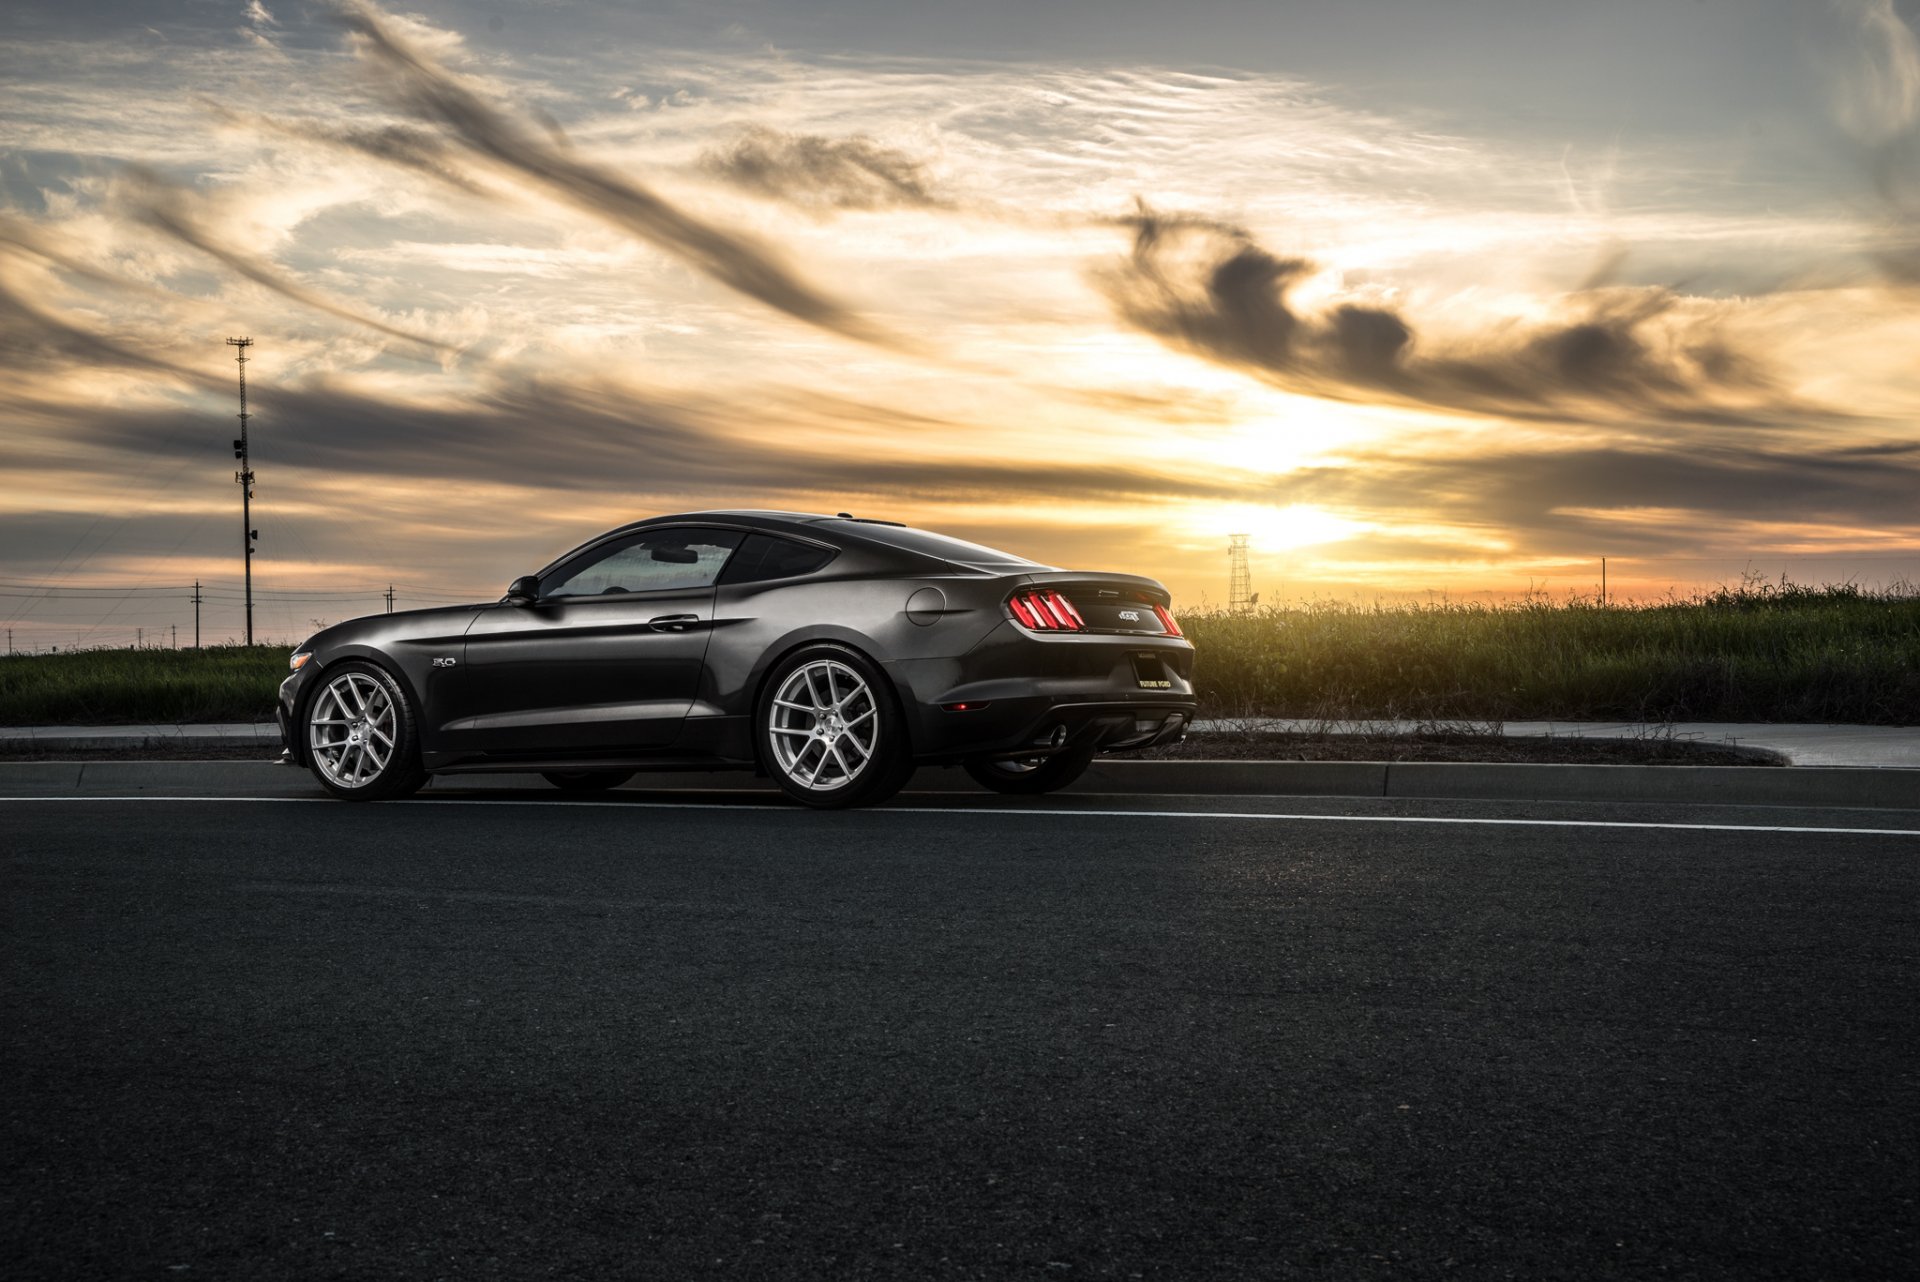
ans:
(362, 743)
(830, 732)
(1031, 776)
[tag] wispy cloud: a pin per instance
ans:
(1574, 500)
(819, 173)
(596, 436)
(1211, 288)
(414, 80)
(1877, 100)
(180, 215)
(393, 144)
(31, 336)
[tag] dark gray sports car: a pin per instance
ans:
(833, 653)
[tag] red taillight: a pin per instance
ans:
(1046, 612)
(1166, 621)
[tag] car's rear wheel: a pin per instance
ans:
(1033, 775)
(586, 780)
(362, 742)
(831, 734)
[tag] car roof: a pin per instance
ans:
(771, 517)
(841, 530)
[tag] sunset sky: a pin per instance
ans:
(1427, 296)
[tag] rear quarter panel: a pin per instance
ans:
(757, 624)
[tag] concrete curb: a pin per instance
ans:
(1874, 788)
(237, 734)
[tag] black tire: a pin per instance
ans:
(810, 751)
(586, 780)
(1032, 777)
(346, 769)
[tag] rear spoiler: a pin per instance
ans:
(1149, 588)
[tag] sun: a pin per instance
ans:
(1273, 528)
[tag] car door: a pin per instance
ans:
(608, 657)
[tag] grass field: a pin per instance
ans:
(1756, 653)
(1760, 652)
(108, 687)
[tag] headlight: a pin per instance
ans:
(299, 659)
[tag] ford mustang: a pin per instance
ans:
(835, 654)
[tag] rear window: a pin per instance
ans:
(762, 556)
(929, 544)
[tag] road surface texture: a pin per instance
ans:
(955, 1039)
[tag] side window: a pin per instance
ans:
(763, 556)
(676, 557)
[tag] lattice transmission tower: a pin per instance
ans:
(245, 478)
(1239, 577)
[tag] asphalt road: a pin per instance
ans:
(282, 1039)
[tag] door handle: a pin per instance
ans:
(673, 622)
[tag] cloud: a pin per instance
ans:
(418, 83)
(1590, 500)
(822, 174)
(34, 338)
(399, 145)
(1877, 101)
(1210, 288)
(611, 438)
(178, 214)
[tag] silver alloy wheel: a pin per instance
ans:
(351, 729)
(824, 725)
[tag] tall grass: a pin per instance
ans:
(1757, 652)
(109, 687)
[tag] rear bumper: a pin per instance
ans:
(1046, 728)
(1025, 696)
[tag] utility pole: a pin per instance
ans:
(1603, 580)
(139, 638)
(245, 479)
(176, 634)
(9, 640)
(389, 598)
(196, 598)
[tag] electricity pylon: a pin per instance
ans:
(1239, 577)
(245, 479)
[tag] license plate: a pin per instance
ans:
(1151, 672)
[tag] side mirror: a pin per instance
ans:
(524, 590)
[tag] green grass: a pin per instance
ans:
(107, 687)
(1755, 653)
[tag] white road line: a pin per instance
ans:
(1270, 816)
